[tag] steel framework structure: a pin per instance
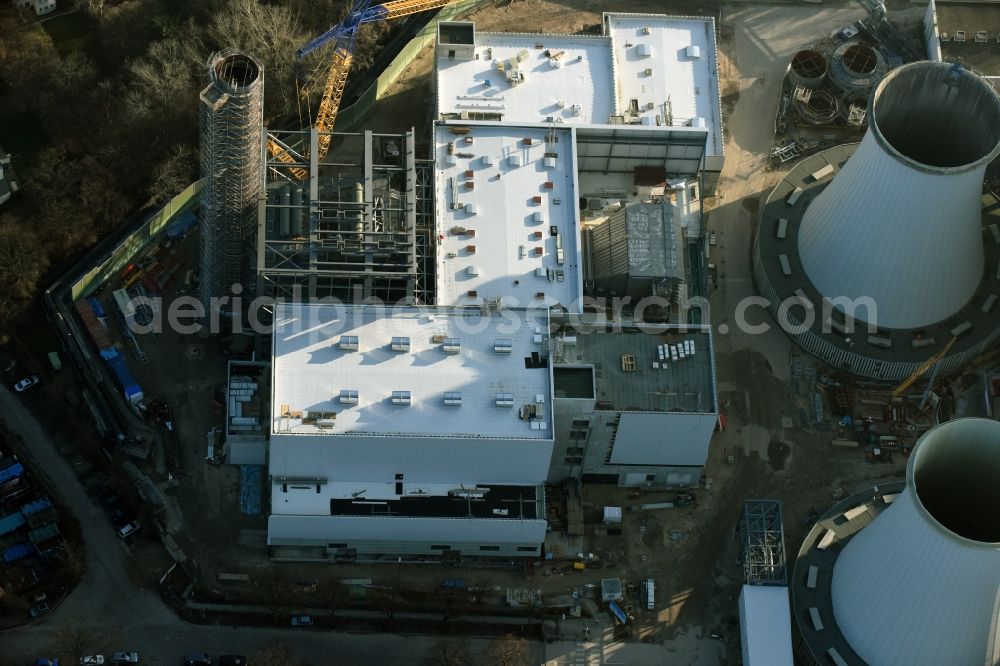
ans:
(763, 543)
(359, 227)
(232, 150)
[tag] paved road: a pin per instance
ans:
(108, 598)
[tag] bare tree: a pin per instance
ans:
(507, 650)
(271, 33)
(447, 651)
(23, 261)
(173, 174)
(276, 654)
(76, 638)
(93, 7)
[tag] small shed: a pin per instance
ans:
(611, 589)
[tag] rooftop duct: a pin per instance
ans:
(920, 585)
(901, 222)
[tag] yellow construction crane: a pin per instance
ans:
(344, 35)
(924, 367)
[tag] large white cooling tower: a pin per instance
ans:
(920, 585)
(901, 221)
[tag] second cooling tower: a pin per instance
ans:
(900, 223)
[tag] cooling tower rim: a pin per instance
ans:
(920, 450)
(857, 355)
(873, 127)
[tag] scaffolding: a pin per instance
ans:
(763, 551)
(359, 226)
(232, 147)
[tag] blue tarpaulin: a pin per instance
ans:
(39, 504)
(250, 478)
(95, 305)
(618, 612)
(181, 225)
(18, 552)
(11, 523)
(11, 472)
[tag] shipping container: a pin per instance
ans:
(95, 328)
(125, 380)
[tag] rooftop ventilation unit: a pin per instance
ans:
(693, 51)
(401, 398)
(643, 50)
(514, 160)
(505, 400)
(349, 342)
(471, 209)
(932, 129)
(503, 345)
(453, 399)
(452, 345)
(348, 397)
(401, 344)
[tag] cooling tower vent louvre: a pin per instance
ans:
(954, 475)
(401, 398)
(937, 116)
(400, 343)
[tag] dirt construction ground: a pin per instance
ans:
(767, 451)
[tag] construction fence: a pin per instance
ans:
(136, 241)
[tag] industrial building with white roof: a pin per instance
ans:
(430, 431)
(439, 418)
(507, 218)
(534, 131)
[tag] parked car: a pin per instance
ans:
(125, 658)
(302, 621)
(26, 383)
(42, 661)
(197, 659)
(94, 659)
(232, 660)
(129, 529)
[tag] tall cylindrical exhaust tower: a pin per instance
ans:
(920, 585)
(232, 154)
(901, 221)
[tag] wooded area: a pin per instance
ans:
(106, 107)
